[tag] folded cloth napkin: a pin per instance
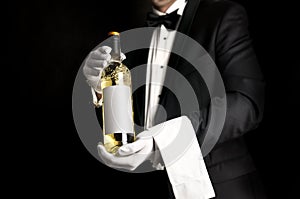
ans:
(181, 155)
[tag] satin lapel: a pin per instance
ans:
(184, 27)
(188, 16)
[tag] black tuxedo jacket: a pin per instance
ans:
(221, 27)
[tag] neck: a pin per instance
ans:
(165, 7)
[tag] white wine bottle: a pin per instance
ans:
(117, 111)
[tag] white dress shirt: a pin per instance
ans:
(188, 174)
(158, 58)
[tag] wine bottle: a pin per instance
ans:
(117, 111)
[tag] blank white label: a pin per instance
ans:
(117, 109)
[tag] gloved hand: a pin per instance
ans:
(129, 156)
(177, 147)
(94, 64)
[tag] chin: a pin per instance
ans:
(160, 3)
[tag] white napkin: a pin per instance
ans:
(182, 158)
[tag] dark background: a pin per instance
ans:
(48, 40)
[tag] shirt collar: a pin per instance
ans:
(178, 4)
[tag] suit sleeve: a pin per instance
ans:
(241, 74)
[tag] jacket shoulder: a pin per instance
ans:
(225, 4)
(222, 6)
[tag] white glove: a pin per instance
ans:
(94, 64)
(129, 156)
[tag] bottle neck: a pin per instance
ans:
(116, 49)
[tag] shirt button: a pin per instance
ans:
(165, 38)
(161, 66)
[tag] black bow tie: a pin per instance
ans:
(169, 20)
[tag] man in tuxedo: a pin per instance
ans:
(221, 27)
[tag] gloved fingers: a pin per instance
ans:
(99, 55)
(123, 56)
(115, 161)
(104, 155)
(147, 134)
(107, 50)
(104, 49)
(93, 81)
(102, 56)
(94, 63)
(131, 148)
(92, 71)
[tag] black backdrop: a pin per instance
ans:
(48, 41)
